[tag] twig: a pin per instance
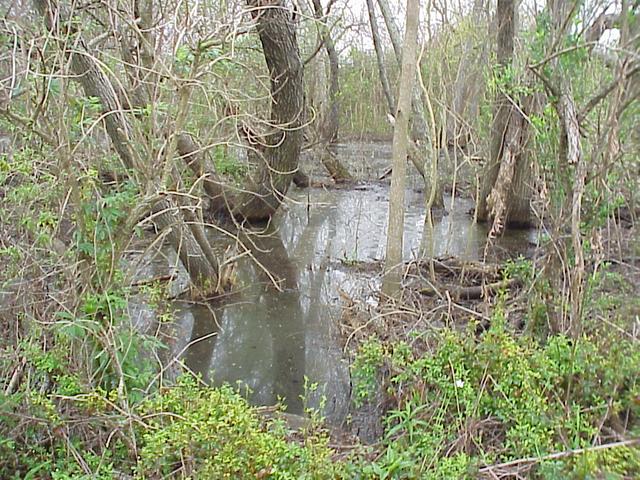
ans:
(591, 104)
(554, 456)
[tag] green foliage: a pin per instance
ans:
(363, 108)
(116, 350)
(199, 432)
(99, 220)
(85, 112)
(507, 80)
(365, 370)
(226, 164)
(186, 431)
(183, 59)
(615, 464)
(505, 397)
(520, 268)
(30, 195)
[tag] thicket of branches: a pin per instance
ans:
(128, 128)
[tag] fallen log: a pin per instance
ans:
(473, 292)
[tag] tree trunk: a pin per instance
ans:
(567, 321)
(377, 45)
(393, 262)
(330, 124)
(505, 192)
(264, 192)
(424, 149)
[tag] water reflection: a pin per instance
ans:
(260, 341)
(270, 339)
(281, 329)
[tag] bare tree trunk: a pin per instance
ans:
(505, 192)
(502, 110)
(330, 124)
(377, 45)
(424, 150)
(264, 192)
(394, 32)
(567, 321)
(571, 154)
(96, 84)
(393, 262)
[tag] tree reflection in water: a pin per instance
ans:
(261, 344)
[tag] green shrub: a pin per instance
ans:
(502, 397)
(199, 432)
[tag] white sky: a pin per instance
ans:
(354, 14)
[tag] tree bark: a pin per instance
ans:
(505, 192)
(264, 192)
(377, 45)
(393, 262)
(423, 149)
(330, 124)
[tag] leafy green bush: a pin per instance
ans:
(503, 397)
(199, 432)
(365, 368)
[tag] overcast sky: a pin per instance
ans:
(354, 14)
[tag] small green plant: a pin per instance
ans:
(225, 164)
(520, 268)
(501, 398)
(365, 370)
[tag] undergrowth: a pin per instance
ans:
(186, 431)
(503, 397)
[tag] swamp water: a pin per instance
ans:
(283, 343)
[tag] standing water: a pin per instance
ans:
(281, 343)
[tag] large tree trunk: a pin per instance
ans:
(278, 158)
(505, 192)
(196, 256)
(393, 262)
(330, 124)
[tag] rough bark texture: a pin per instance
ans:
(330, 124)
(499, 201)
(393, 262)
(266, 189)
(507, 191)
(277, 153)
(96, 83)
(504, 56)
(572, 155)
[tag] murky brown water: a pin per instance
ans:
(272, 342)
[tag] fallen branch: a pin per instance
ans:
(151, 281)
(555, 456)
(473, 292)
